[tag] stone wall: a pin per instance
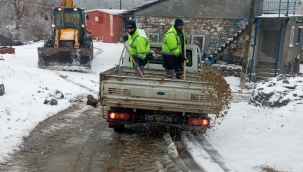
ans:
(210, 29)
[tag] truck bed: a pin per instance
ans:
(119, 88)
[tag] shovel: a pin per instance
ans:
(140, 72)
(184, 64)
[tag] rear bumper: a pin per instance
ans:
(171, 118)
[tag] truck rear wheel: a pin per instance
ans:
(117, 126)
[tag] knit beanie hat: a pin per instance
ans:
(131, 24)
(179, 22)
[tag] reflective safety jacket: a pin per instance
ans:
(171, 43)
(138, 45)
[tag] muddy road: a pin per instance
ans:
(78, 140)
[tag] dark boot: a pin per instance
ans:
(169, 73)
(179, 73)
(136, 72)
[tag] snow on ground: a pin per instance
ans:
(26, 88)
(249, 136)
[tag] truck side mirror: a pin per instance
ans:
(87, 17)
(46, 17)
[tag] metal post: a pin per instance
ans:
(279, 45)
(295, 8)
(255, 42)
(287, 7)
(280, 9)
(248, 38)
(120, 5)
(258, 11)
(228, 54)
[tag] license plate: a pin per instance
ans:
(157, 118)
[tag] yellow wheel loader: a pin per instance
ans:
(70, 46)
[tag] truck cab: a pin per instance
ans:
(192, 54)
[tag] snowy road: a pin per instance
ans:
(249, 139)
(78, 140)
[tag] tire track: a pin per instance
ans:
(202, 158)
(214, 154)
(63, 142)
(80, 85)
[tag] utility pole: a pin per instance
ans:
(120, 5)
(247, 47)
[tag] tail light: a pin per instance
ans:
(198, 121)
(119, 116)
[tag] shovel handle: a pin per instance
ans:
(139, 70)
(184, 64)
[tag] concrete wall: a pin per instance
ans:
(266, 44)
(290, 52)
(214, 9)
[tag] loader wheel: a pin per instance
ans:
(50, 42)
(89, 44)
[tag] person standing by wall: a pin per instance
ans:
(173, 50)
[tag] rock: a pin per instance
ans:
(295, 94)
(285, 81)
(56, 94)
(290, 86)
(2, 90)
(53, 102)
(280, 77)
(91, 101)
(46, 101)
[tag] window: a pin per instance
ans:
(299, 36)
(153, 37)
(198, 40)
(291, 40)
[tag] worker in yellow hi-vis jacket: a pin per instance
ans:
(138, 45)
(172, 50)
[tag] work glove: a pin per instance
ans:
(123, 39)
(181, 57)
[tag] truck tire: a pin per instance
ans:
(119, 128)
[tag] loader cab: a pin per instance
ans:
(69, 18)
(67, 21)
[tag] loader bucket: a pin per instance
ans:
(65, 58)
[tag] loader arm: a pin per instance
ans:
(67, 3)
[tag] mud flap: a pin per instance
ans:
(65, 58)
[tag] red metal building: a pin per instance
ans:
(105, 24)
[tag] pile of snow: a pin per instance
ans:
(278, 92)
